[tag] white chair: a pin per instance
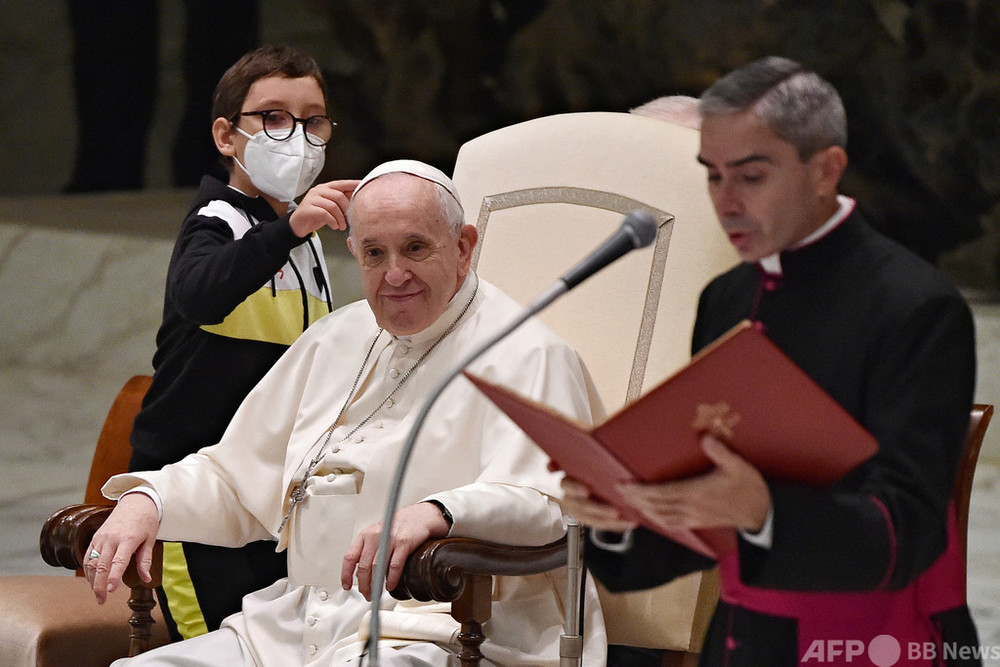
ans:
(543, 194)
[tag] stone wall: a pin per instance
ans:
(920, 80)
(416, 78)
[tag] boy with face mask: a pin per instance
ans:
(246, 277)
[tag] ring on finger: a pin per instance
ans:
(94, 553)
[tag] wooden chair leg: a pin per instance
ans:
(472, 609)
(141, 603)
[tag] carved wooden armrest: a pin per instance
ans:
(63, 543)
(441, 569)
(460, 570)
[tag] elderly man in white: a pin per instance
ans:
(310, 455)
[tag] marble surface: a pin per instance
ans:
(82, 279)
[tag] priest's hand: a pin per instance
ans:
(579, 504)
(130, 529)
(732, 494)
(412, 526)
(324, 205)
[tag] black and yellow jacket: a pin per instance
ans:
(241, 287)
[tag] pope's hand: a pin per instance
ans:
(130, 529)
(412, 526)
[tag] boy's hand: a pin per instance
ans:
(325, 205)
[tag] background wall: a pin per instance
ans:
(920, 80)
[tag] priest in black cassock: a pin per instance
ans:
(868, 570)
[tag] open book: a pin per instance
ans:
(741, 388)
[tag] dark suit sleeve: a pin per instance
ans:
(651, 561)
(883, 525)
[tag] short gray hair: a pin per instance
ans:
(795, 103)
(677, 109)
(451, 208)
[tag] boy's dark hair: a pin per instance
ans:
(268, 60)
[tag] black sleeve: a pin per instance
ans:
(651, 561)
(211, 272)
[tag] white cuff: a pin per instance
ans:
(605, 539)
(765, 536)
(148, 491)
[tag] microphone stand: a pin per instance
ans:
(382, 562)
(571, 641)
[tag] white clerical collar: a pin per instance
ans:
(845, 205)
(456, 305)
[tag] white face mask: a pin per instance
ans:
(282, 169)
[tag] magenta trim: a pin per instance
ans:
(861, 615)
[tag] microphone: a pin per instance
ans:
(638, 229)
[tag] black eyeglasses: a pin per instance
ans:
(280, 125)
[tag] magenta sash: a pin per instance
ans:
(850, 621)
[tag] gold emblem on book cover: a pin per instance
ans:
(718, 419)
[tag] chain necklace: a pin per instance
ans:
(299, 491)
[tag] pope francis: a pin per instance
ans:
(308, 459)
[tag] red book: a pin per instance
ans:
(741, 388)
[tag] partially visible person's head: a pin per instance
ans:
(678, 109)
(407, 230)
(772, 140)
(238, 82)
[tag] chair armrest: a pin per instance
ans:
(440, 569)
(67, 534)
(64, 539)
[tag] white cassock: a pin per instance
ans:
(469, 456)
